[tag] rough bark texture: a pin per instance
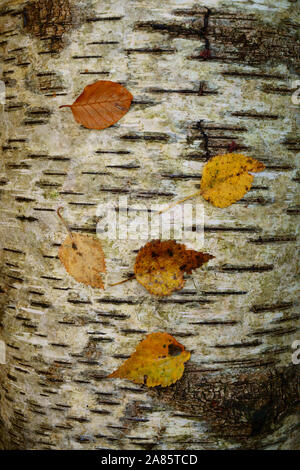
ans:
(203, 74)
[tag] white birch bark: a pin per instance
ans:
(238, 315)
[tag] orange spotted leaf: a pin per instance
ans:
(158, 360)
(101, 104)
(160, 265)
(83, 258)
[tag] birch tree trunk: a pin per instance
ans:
(203, 74)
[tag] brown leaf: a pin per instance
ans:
(83, 258)
(101, 104)
(158, 360)
(160, 265)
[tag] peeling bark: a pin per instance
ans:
(233, 36)
(238, 406)
(207, 77)
(49, 20)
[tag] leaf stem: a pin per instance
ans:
(180, 201)
(65, 224)
(123, 282)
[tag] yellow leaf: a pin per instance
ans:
(83, 258)
(160, 265)
(226, 178)
(158, 360)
